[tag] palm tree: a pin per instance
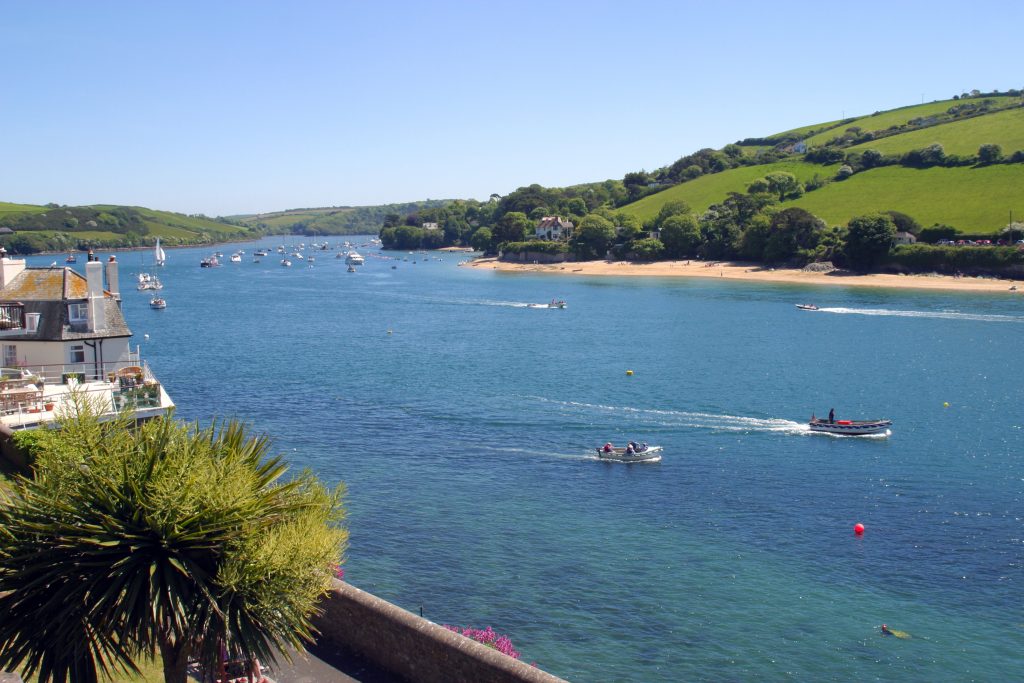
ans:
(167, 538)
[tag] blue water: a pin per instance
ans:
(463, 436)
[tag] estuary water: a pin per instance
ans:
(463, 423)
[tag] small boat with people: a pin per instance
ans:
(554, 303)
(157, 302)
(807, 307)
(354, 259)
(632, 452)
(286, 263)
(830, 425)
(211, 262)
(71, 258)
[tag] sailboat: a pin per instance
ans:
(158, 254)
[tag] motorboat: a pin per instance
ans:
(286, 263)
(849, 427)
(71, 259)
(354, 259)
(211, 262)
(643, 454)
(552, 304)
(236, 258)
(157, 302)
(807, 307)
(151, 282)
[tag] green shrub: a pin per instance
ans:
(535, 246)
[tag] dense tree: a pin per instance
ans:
(990, 154)
(871, 158)
(680, 233)
(576, 206)
(593, 237)
(481, 239)
(755, 237)
(392, 220)
(647, 249)
(757, 185)
(630, 226)
(794, 231)
(512, 227)
(673, 208)
(166, 539)
(868, 239)
(903, 222)
(784, 185)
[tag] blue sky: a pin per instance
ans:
(240, 107)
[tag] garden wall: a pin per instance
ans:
(412, 647)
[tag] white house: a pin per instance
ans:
(905, 238)
(554, 228)
(431, 226)
(61, 332)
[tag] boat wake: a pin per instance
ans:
(941, 315)
(680, 418)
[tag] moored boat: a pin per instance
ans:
(850, 427)
(642, 454)
(354, 259)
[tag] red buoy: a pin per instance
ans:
(858, 528)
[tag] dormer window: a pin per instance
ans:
(78, 313)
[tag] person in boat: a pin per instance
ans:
(643, 447)
(831, 415)
(629, 448)
(608, 447)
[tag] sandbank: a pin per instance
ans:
(730, 270)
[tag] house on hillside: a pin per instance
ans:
(905, 238)
(6, 231)
(431, 226)
(63, 334)
(554, 228)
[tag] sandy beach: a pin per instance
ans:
(754, 272)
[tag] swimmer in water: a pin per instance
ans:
(886, 631)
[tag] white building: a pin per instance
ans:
(61, 332)
(554, 228)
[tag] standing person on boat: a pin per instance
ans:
(831, 415)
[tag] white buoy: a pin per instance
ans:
(145, 336)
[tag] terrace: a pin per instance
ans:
(33, 396)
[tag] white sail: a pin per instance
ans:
(159, 255)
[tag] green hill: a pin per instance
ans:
(881, 121)
(60, 228)
(702, 192)
(964, 137)
(974, 200)
(952, 187)
(339, 220)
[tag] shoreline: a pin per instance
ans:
(752, 272)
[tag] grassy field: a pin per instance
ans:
(702, 192)
(802, 130)
(7, 207)
(152, 672)
(976, 200)
(1004, 128)
(897, 117)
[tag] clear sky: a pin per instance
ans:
(242, 107)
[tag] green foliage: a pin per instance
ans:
(792, 232)
(512, 227)
(169, 538)
(647, 249)
(963, 137)
(337, 220)
(536, 247)
(676, 207)
(680, 234)
(945, 259)
(903, 222)
(593, 237)
(703, 192)
(868, 239)
(481, 239)
(990, 153)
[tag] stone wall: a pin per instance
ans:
(534, 256)
(412, 647)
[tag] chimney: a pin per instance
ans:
(94, 280)
(9, 268)
(112, 283)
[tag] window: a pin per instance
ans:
(77, 354)
(10, 356)
(78, 313)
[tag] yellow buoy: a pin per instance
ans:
(946, 404)
(629, 373)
